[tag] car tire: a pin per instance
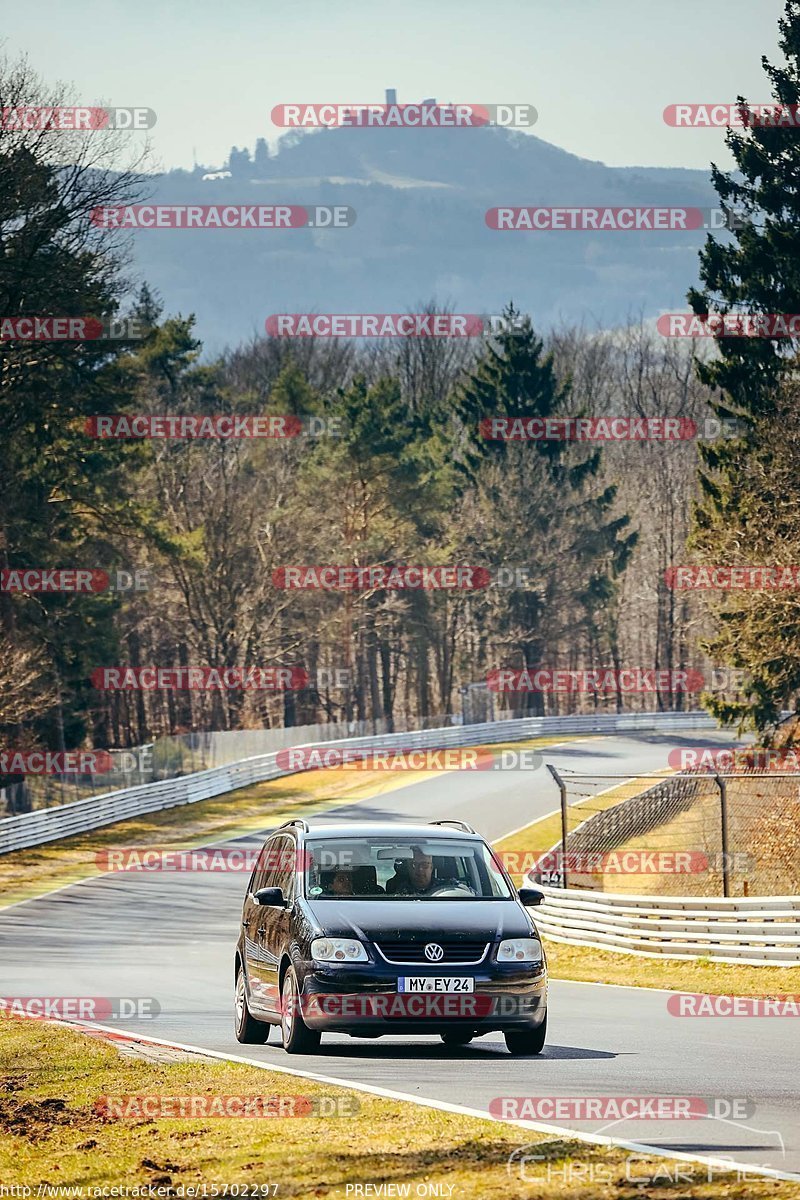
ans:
(528, 1042)
(248, 1030)
(454, 1038)
(296, 1036)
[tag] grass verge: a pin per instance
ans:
(683, 975)
(51, 1078)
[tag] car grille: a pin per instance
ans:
(414, 952)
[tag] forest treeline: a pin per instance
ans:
(389, 467)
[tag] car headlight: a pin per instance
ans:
(338, 950)
(519, 950)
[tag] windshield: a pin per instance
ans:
(401, 869)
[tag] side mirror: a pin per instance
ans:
(529, 896)
(270, 897)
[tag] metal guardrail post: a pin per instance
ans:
(562, 787)
(723, 810)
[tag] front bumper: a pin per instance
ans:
(364, 998)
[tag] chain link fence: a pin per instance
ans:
(689, 834)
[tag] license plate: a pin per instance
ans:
(435, 983)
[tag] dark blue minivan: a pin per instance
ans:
(379, 928)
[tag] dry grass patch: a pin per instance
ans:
(53, 1134)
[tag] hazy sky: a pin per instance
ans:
(600, 72)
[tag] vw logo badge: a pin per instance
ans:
(434, 952)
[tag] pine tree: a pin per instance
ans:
(757, 270)
(544, 497)
(65, 498)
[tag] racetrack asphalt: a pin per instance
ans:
(171, 936)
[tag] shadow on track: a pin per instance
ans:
(437, 1051)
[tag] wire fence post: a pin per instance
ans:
(562, 787)
(723, 808)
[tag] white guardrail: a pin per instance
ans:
(49, 824)
(756, 930)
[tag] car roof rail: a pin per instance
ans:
(460, 825)
(297, 821)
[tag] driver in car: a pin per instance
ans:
(420, 879)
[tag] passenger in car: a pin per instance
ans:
(351, 881)
(341, 883)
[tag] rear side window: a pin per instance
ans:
(265, 867)
(282, 866)
(276, 866)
